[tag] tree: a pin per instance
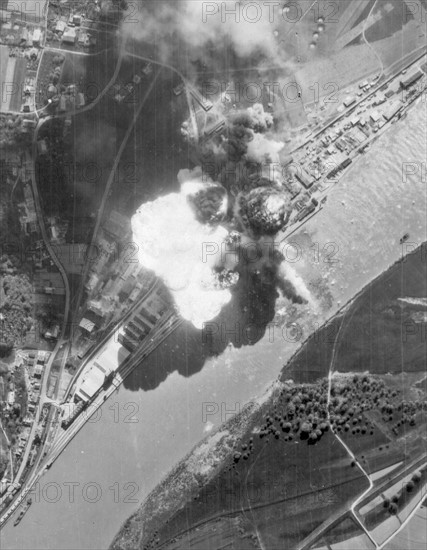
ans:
(410, 486)
(393, 508)
(416, 478)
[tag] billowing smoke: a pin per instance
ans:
(264, 210)
(198, 23)
(183, 252)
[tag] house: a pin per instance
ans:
(11, 398)
(62, 103)
(38, 369)
(81, 102)
(60, 26)
(42, 147)
(82, 38)
(179, 88)
(87, 325)
(69, 36)
(52, 334)
(148, 69)
(37, 35)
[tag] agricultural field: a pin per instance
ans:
(12, 78)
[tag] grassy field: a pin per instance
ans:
(376, 333)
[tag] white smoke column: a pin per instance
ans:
(290, 274)
(182, 252)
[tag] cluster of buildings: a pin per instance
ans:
(34, 363)
(69, 32)
(68, 100)
(116, 279)
(124, 92)
(27, 211)
(17, 32)
(100, 370)
(144, 320)
(334, 149)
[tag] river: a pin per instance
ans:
(139, 435)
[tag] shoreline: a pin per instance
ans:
(180, 473)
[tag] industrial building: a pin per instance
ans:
(348, 101)
(304, 177)
(411, 79)
(392, 110)
(105, 363)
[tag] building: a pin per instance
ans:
(37, 35)
(304, 177)
(411, 79)
(62, 103)
(69, 36)
(117, 225)
(105, 363)
(80, 100)
(87, 325)
(392, 110)
(348, 101)
(179, 88)
(38, 369)
(204, 103)
(42, 147)
(148, 69)
(11, 398)
(375, 116)
(60, 26)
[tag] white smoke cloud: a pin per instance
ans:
(197, 22)
(288, 272)
(261, 146)
(182, 252)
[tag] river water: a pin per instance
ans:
(121, 455)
